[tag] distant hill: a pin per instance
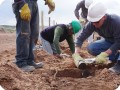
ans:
(7, 28)
(10, 28)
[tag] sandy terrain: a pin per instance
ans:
(57, 74)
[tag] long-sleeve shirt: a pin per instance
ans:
(19, 2)
(56, 34)
(110, 31)
(84, 11)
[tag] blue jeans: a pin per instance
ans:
(102, 45)
(26, 34)
(47, 46)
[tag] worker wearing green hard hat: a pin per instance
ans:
(58, 33)
(76, 26)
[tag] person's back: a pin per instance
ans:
(48, 33)
(58, 33)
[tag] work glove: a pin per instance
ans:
(25, 12)
(82, 20)
(101, 58)
(77, 59)
(51, 5)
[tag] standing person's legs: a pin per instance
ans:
(22, 41)
(95, 48)
(22, 44)
(34, 25)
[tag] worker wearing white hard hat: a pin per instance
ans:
(107, 26)
(95, 13)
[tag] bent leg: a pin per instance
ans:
(95, 48)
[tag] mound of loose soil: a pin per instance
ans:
(57, 74)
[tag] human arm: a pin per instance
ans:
(57, 33)
(76, 55)
(102, 57)
(50, 4)
(76, 11)
(23, 9)
(78, 44)
(113, 34)
(86, 32)
(78, 60)
(71, 44)
(116, 34)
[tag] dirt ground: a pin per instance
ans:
(57, 74)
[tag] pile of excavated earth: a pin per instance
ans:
(57, 74)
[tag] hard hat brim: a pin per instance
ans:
(94, 19)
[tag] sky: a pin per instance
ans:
(1, 1)
(64, 11)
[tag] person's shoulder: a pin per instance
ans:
(89, 25)
(61, 25)
(113, 17)
(81, 2)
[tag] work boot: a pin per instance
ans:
(115, 69)
(37, 65)
(27, 68)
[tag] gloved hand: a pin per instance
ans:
(82, 20)
(51, 5)
(101, 58)
(77, 58)
(25, 12)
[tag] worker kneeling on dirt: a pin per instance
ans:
(107, 26)
(59, 33)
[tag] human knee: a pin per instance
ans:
(91, 50)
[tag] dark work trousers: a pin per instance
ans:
(26, 34)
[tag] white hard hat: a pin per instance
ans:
(88, 3)
(96, 11)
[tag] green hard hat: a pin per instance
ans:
(76, 26)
